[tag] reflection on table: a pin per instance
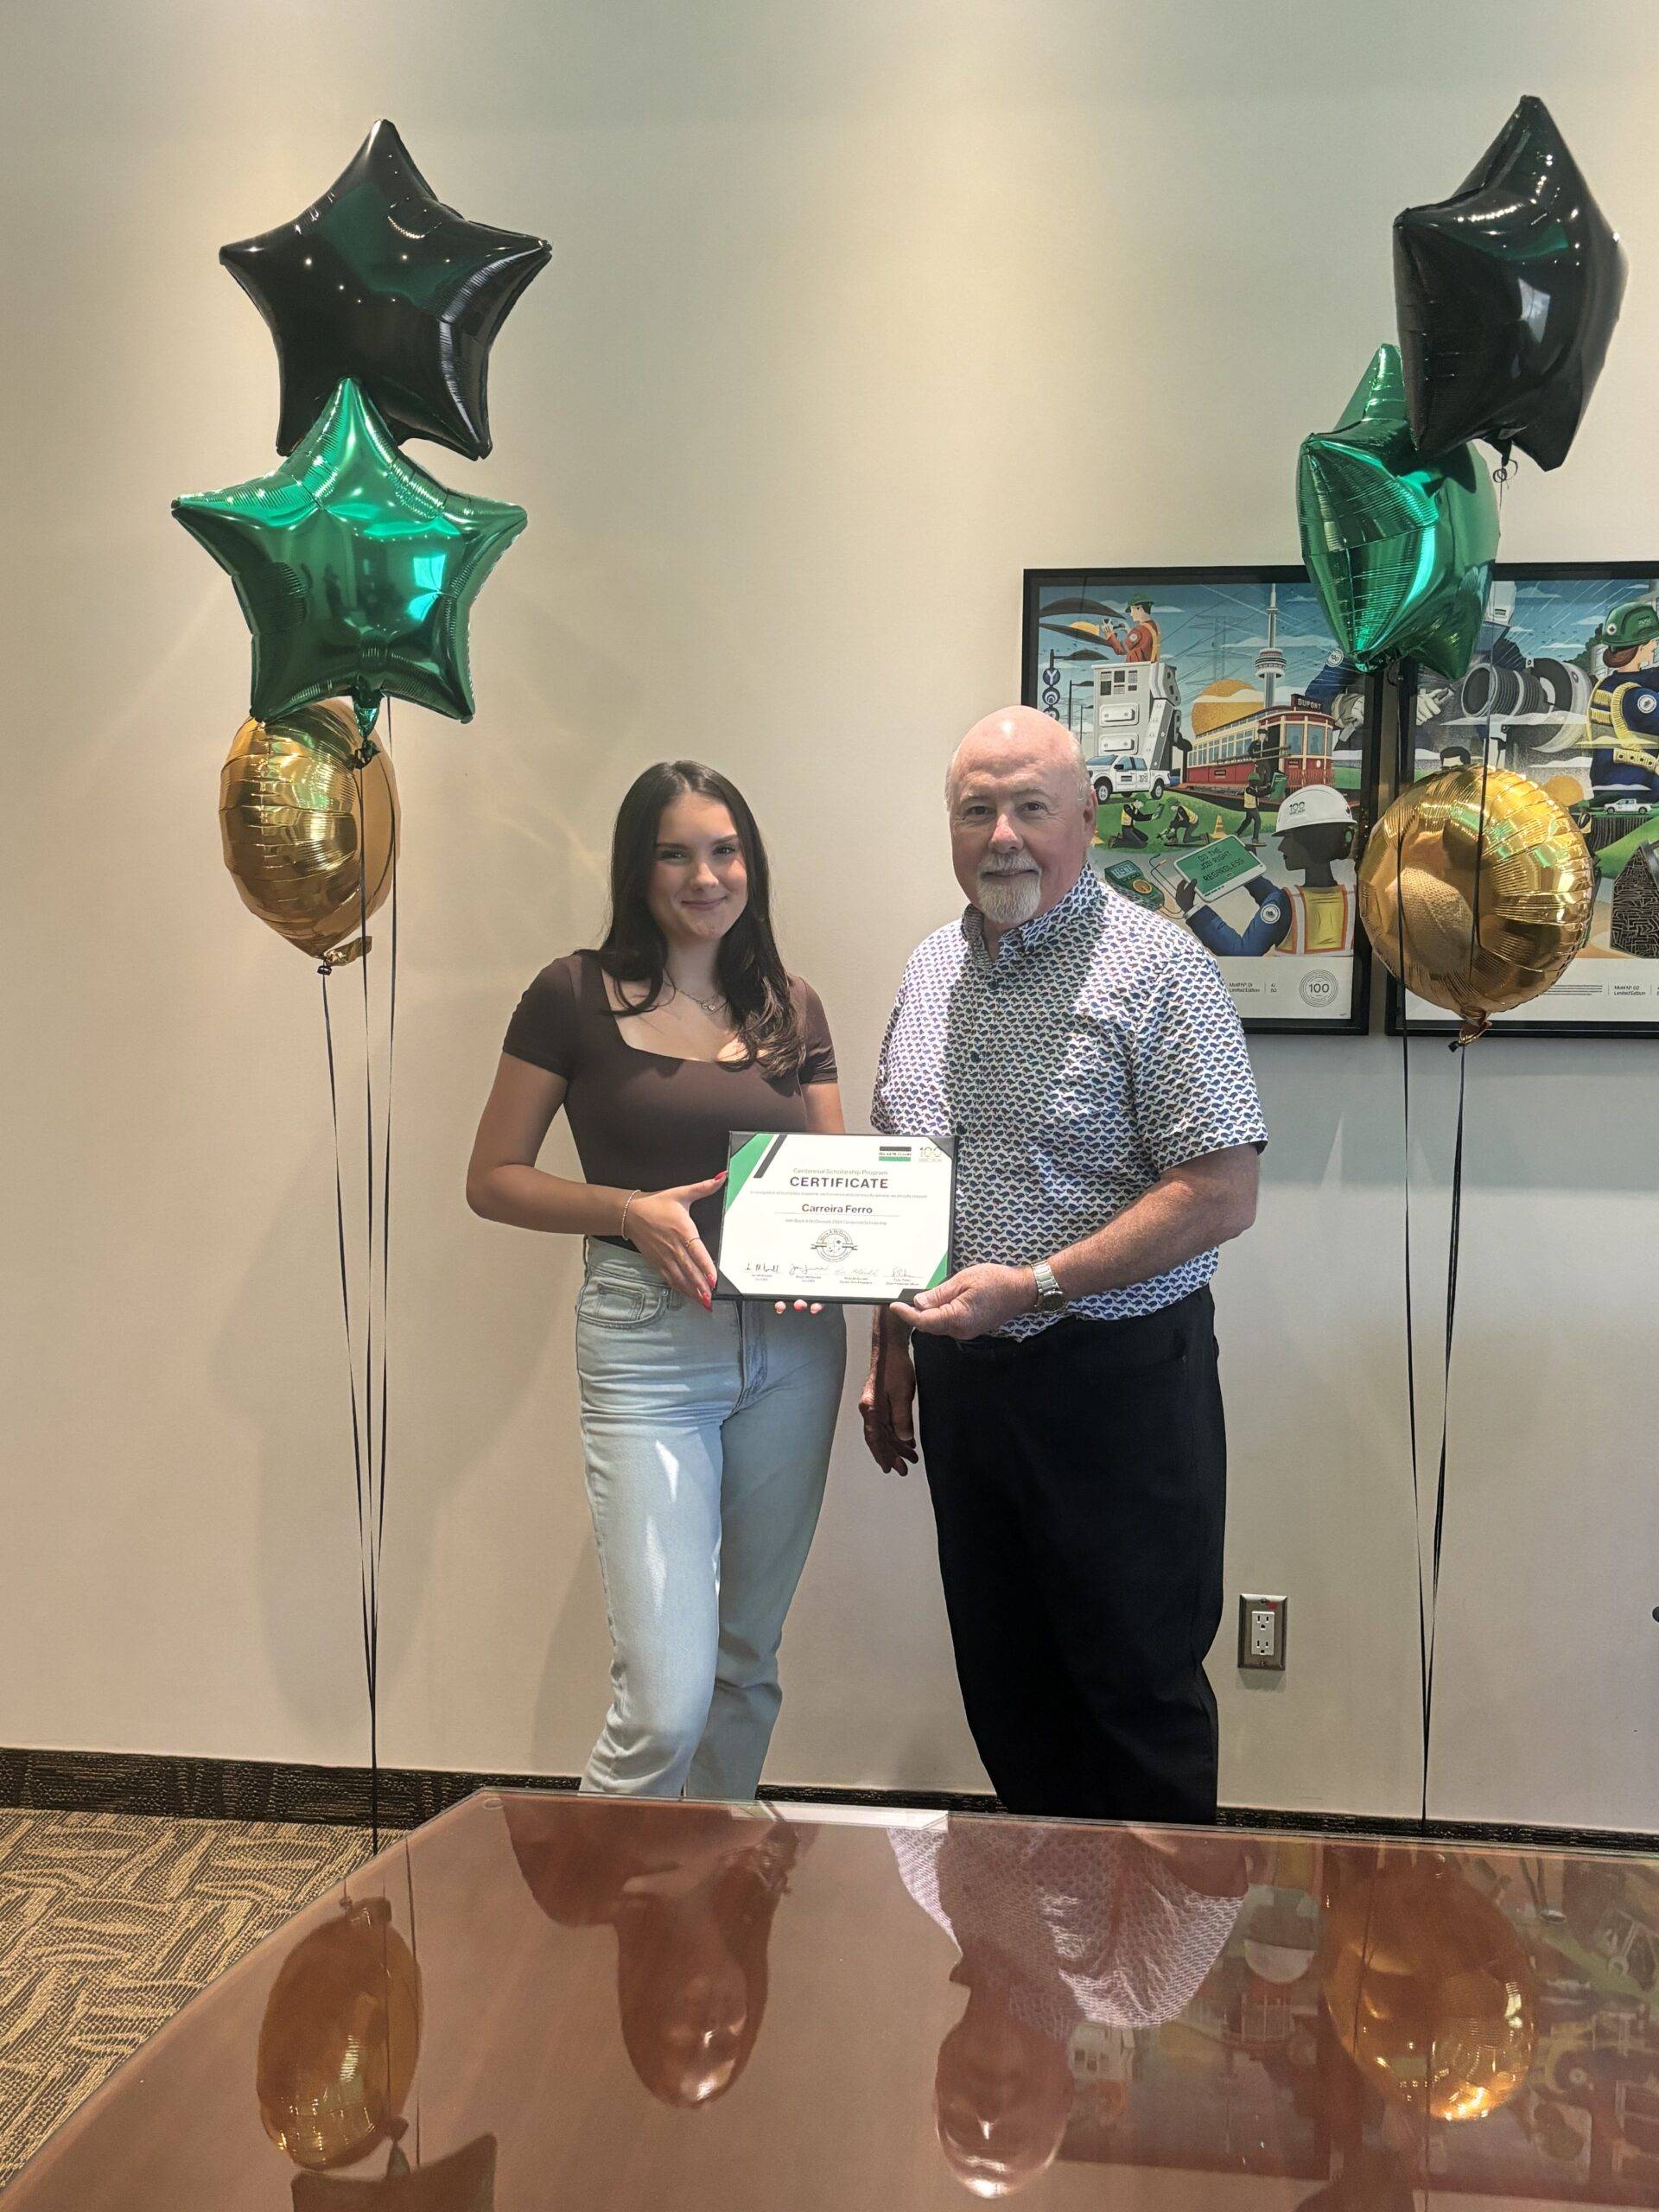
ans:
(541, 2000)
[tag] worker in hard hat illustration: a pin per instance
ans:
(1315, 829)
(1256, 791)
(1142, 641)
(1135, 820)
(1623, 710)
(1629, 637)
(1182, 827)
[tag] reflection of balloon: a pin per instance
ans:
(340, 2039)
(355, 571)
(381, 281)
(1399, 543)
(1429, 1989)
(310, 838)
(1508, 293)
(1417, 886)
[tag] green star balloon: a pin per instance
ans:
(355, 570)
(1400, 544)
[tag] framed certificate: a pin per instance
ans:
(839, 1220)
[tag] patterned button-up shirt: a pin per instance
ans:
(1096, 1050)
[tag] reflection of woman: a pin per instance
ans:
(691, 1897)
(706, 1427)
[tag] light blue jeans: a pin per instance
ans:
(706, 1437)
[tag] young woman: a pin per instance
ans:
(705, 1427)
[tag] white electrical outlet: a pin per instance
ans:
(1262, 1632)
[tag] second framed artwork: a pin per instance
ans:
(1234, 755)
(1564, 689)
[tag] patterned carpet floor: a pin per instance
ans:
(111, 1922)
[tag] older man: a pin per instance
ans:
(1088, 1060)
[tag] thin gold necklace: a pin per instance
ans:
(709, 1006)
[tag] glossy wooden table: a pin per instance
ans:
(539, 2001)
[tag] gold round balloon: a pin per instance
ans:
(340, 2038)
(310, 835)
(1417, 891)
(1429, 1989)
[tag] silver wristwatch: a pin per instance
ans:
(1050, 1299)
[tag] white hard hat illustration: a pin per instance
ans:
(1313, 803)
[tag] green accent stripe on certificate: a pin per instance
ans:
(940, 1273)
(743, 1164)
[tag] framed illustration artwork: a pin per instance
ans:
(1564, 688)
(1234, 755)
(1248, 2078)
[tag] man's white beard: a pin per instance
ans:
(1009, 897)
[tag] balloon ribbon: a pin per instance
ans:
(1428, 1607)
(370, 1403)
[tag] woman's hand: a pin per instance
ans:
(660, 1226)
(800, 1305)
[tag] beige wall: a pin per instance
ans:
(856, 312)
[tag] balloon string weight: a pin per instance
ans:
(366, 1261)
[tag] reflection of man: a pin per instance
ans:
(1056, 1926)
(1140, 641)
(1315, 829)
(1088, 1061)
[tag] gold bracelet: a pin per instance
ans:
(622, 1226)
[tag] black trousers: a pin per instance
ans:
(1079, 1482)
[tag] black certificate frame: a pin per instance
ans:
(724, 1288)
(1397, 1021)
(1110, 587)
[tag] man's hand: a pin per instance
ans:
(975, 1303)
(887, 1400)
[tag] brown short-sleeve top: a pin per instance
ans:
(645, 1121)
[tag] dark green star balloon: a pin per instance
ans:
(1508, 294)
(1400, 544)
(380, 281)
(356, 571)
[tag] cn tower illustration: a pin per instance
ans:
(1270, 661)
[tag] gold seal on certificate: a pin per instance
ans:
(849, 1221)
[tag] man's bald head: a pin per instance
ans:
(1015, 735)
